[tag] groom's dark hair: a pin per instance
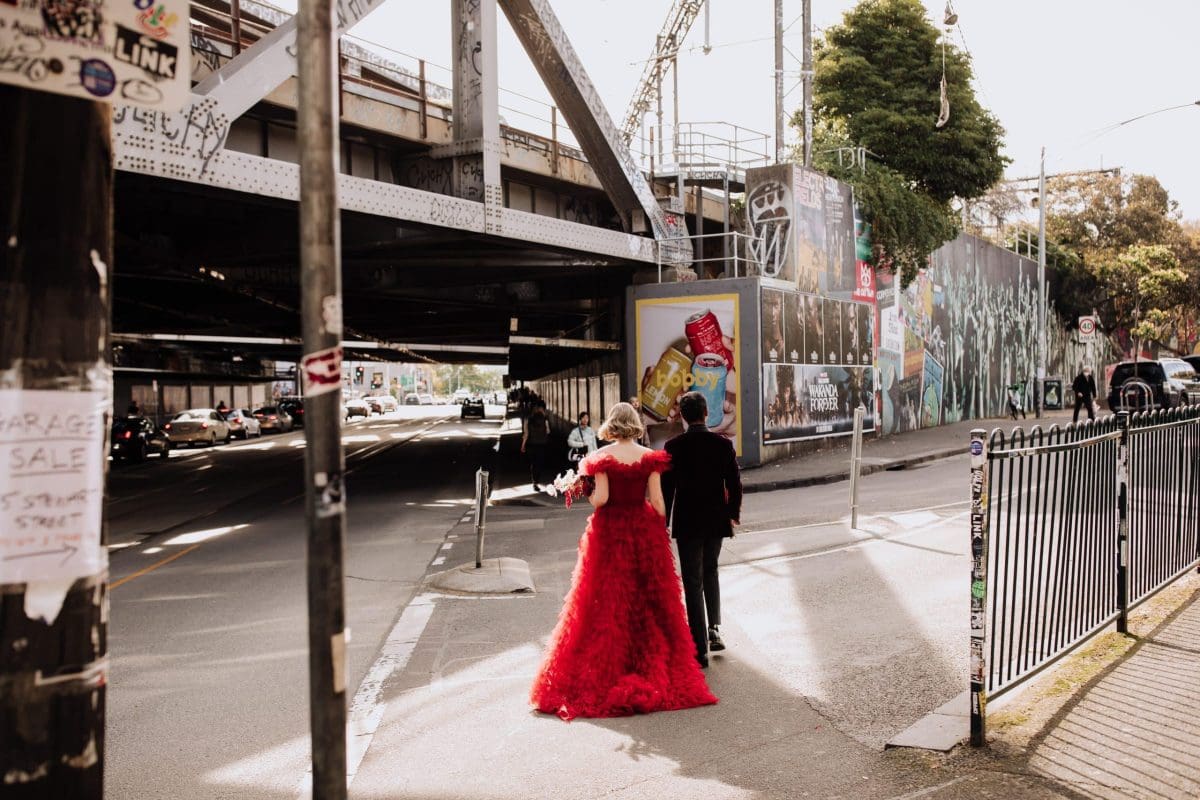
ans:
(693, 408)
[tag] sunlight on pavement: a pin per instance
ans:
(149, 551)
(202, 536)
(362, 437)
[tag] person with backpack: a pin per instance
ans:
(535, 434)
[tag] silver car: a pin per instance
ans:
(242, 423)
(198, 426)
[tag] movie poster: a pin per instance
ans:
(814, 328)
(806, 402)
(688, 344)
(774, 346)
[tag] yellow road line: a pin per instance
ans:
(154, 566)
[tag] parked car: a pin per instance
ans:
(242, 423)
(198, 426)
(273, 418)
(1194, 362)
(1147, 384)
(355, 408)
(134, 438)
(294, 407)
(412, 399)
(473, 407)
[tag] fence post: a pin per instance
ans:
(855, 464)
(979, 554)
(1123, 524)
(481, 501)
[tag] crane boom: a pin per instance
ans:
(679, 21)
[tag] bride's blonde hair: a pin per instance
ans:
(623, 422)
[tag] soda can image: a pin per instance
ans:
(669, 378)
(704, 335)
(708, 377)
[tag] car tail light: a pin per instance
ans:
(167, 427)
(272, 417)
(128, 434)
(203, 426)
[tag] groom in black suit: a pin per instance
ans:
(703, 493)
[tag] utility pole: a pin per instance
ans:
(1040, 386)
(806, 76)
(56, 180)
(321, 369)
(779, 82)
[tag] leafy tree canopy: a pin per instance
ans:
(878, 74)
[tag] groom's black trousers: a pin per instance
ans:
(701, 590)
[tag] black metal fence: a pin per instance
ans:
(1072, 528)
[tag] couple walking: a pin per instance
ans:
(623, 644)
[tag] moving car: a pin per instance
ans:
(426, 399)
(472, 407)
(412, 399)
(1147, 384)
(294, 408)
(381, 404)
(134, 438)
(461, 395)
(273, 418)
(198, 426)
(356, 408)
(242, 424)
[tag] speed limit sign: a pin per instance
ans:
(1087, 329)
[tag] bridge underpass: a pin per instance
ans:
(432, 268)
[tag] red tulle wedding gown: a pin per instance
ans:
(622, 644)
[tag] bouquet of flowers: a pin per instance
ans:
(572, 486)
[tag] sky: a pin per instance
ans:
(1056, 74)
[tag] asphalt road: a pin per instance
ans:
(208, 637)
(208, 692)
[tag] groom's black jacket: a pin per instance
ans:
(703, 487)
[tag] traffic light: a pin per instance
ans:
(358, 374)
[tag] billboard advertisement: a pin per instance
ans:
(683, 344)
(816, 365)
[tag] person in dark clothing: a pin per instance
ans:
(534, 437)
(1085, 393)
(703, 495)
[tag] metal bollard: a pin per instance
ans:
(481, 501)
(856, 463)
(1123, 523)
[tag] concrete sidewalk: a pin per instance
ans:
(881, 453)
(830, 465)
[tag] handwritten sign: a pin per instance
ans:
(134, 52)
(51, 484)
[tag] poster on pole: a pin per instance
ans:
(132, 52)
(51, 484)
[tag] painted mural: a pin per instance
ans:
(954, 340)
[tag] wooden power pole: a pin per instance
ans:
(56, 179)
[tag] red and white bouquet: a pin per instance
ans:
(572, 486)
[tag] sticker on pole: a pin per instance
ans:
(976, 447)
(322, 371)
(132, 52)
(51, 484)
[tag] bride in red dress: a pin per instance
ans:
(622, 644)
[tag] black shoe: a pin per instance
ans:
(703, 660)
(714, 640)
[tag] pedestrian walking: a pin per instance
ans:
(703, 495)
(621, 645)
(1085, 393)
(1016, 400)
(581, 441)
(535, 434)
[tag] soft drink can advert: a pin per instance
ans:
(669, 378)
(704, 335)
(708, 377)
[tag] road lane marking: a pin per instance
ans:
(153, 567)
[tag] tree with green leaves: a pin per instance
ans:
(1147, 289)
(877, 85)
